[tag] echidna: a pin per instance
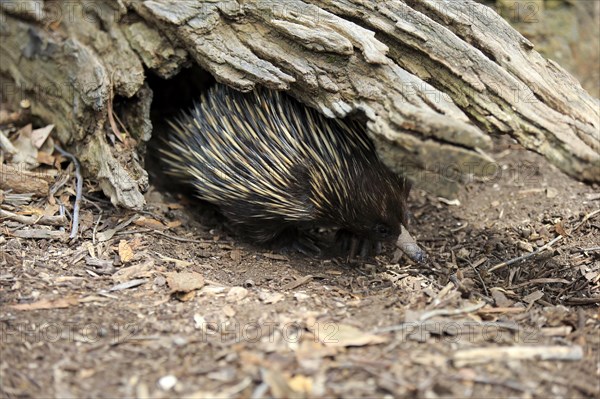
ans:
(279, 170)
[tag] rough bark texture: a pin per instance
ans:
(563, 30)
(434, 78)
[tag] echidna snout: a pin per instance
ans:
(409, 246)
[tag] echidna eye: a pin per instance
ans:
(382, 229)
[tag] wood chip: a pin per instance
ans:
(271, 297)
(467, 357)
(185, 281)
(560, 331)
(297, 283)
(100, 263)
(501, 310)
(108, 234)
(60, 303)
(177, 262)
(128, 284)
(275, 256)
(31, 220)
(125, 251)
(534, 296)
(142, 270)
(236, 255)
(342, 335)
(22, 181)
(500, 299)
(41, 234)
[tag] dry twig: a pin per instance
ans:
(39, 234)
(181, 239)
(78, 192)
(543, 248)
(451, 312)
(6, 145)
(31, 220)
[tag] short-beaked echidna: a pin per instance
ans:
(279, 170)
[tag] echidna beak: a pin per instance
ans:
(409, 246)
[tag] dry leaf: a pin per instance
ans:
(86, 220)
(26, 156)
(47, 304)
(136, 243)
(335, 334)
(45, 158)
(125, 251)
(560, 229)
(185, 281)
(39, 136)
(174, 223)
(149, 223)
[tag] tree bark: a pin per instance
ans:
(434, 78)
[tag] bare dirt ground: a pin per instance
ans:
(166, 304)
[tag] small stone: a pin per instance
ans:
(167, 382)
(236, 294)
(301, 296)
(500, 299)
(525, 246)
(270, 297)
(551, 192)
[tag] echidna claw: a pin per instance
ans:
(306, 247)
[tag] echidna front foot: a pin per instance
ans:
(294, 240)
(350, 245)
(306, 246)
